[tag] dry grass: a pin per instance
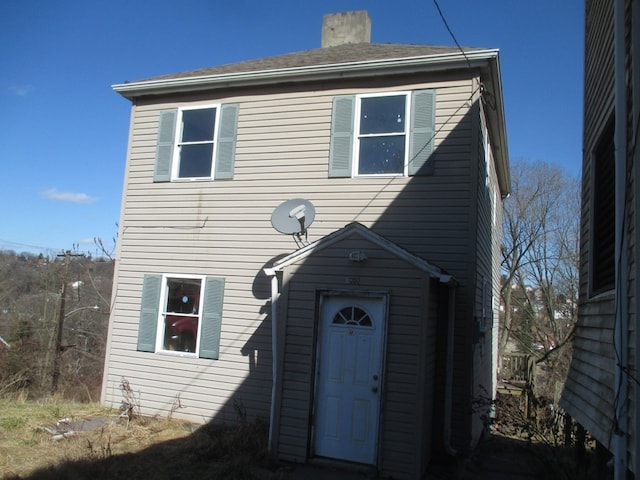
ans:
(141, 448)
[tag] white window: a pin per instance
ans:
(195, 143)
(390, 134)
(180, 314)
(381, 132)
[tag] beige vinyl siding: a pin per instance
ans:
(487, 270)
(496, 203)
(408, 368)
(223, 229)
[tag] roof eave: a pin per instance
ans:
(487, 60)
(368, 234)
(496, 117)
(404, 65)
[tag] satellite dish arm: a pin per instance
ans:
(299, 213)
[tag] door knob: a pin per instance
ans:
(374, 389)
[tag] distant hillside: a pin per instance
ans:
(31, 294)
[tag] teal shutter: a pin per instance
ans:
(164, 148)
(226, 147)
(150, 303)
(211, 318)
(422, 131)
(341, 146)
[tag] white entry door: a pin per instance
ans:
(348, 376)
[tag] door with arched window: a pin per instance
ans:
(349, 368)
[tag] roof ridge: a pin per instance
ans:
(346, 53)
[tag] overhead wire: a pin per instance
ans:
(411, 160)
(50, 250)
(446, 24)
(619, 297)
(484, 95)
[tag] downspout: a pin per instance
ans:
(621, 260)
(448, 391)
(274, 354)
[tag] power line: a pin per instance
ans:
(444, 20)
(415, 157)
(37, 247)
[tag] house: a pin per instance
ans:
(365, 332)
(601, 392)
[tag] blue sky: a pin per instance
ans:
(64, 131)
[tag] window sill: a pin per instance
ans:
(174, 353)
(381, 175)
(189, 180)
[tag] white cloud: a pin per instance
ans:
(21, 90)
(53, 194)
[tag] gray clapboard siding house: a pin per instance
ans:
(365, 339)
(601, 391)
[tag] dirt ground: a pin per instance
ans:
(103, 447)
(497, 457)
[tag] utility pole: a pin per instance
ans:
(57, 354)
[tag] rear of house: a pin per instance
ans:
(379, 311)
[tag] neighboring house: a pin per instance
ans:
(365, 336)
(601, 391)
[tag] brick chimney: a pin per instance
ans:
(346, 27)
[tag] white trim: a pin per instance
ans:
(368, 235)
(484, 59)
(161, 315)
(357, 136)
(275, 295)
(417, 64)
(177, 143)
(363, 299)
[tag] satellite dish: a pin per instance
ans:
(293, 216)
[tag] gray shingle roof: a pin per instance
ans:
(348, 53)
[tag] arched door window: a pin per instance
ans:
(353, 316)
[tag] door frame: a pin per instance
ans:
(384, 295)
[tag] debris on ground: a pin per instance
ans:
(66, 427)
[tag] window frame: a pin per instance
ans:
(602, 263)
(178, 143)
(357, 135)
(160, 333)
(211, 313)
(422, 132)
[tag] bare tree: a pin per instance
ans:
(539, 260)
(30, 298)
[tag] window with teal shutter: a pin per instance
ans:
(164, 148)
(341, 146)
(371, 135)
(148, 325)
(188, 140)
(423, 119)
(185, 310)
(212, 318)
(226, 149)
